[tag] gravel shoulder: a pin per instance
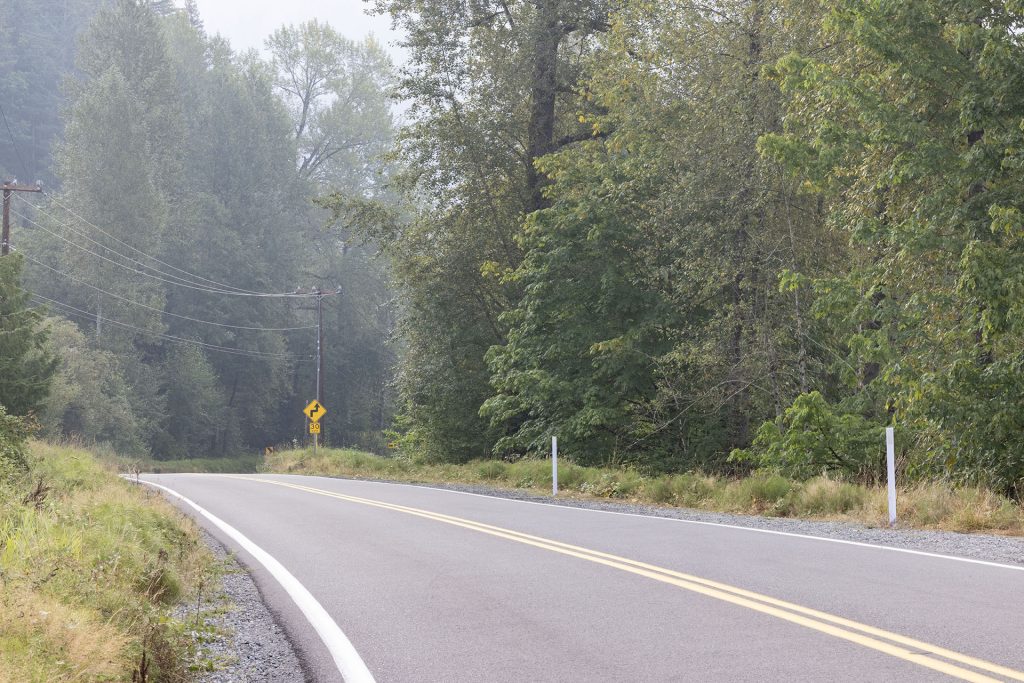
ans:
(240, 636)
(975, 546)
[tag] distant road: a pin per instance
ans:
(420, 584)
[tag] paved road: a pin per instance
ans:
(432, 585)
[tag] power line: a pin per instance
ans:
(84, 235)
(237, 290)
(159, 310)
(151, 276)
(14, 143)
(179, 340)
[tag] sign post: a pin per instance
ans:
(554, 466)
(314, 411)
(890, 462)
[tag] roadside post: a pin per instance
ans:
(554, 466)
(890, 449)
(314, 411)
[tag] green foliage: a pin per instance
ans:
(485, 101)
(336, 90)
(90, 398)
(180, 157)
(812, 438)
(909, 128)
(26, 365)
(650, 328)
(14, 434)
(37, 50)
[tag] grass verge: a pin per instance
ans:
(231, 465)
(926, 505)
(91, 569)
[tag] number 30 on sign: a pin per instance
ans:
(314, 427)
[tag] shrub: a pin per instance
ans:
(811, 437)
(14, 434)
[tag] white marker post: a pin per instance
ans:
(890, 448)
(554, 466)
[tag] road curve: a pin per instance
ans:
(433, 585)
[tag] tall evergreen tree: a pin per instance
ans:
(26, 365)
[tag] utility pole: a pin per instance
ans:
(319, 355)
(8, 187)
(319, 345)
(319, 293)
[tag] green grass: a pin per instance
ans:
(931, 505)
(91, 567)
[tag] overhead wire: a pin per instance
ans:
(237, 290)
(14, 143)
(159, 310)
(84, 235)
(172, 338)
(149, 275)
(216, 287)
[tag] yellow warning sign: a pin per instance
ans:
(314, 427)
(314, 411)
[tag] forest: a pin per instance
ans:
(683, 237)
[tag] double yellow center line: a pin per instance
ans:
(914, 651)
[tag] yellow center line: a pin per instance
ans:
(920, 653)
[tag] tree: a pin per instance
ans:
(26, 365)
(337, 92)
(651, 326)
(491, 87)
(90, 398)
(909, 128)
(14, 434)
(37, 50)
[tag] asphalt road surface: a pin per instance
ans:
(406, 583)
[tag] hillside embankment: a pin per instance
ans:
(100, 579)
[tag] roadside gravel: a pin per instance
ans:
(241, 637)
(986, 547)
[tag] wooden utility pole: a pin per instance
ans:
(319, 345)
(9, 187)
(319, 293)
(319, 355)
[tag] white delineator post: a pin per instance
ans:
(890, 457)
(554, 466)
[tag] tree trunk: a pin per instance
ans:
(541, 133)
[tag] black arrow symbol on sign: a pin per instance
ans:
(314, 410)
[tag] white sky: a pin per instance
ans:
(246, 23)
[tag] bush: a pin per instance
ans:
(811, 438)
(14, 434)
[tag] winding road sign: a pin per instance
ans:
(314, 411)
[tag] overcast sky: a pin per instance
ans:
(246, 23)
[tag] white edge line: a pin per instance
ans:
(348, 661)
(860, 544)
